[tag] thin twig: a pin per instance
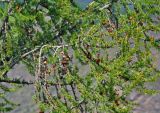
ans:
(40, 53)
(23, 82)
(32, 51)
(105, 6)
(15, 81)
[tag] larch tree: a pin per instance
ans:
(55, 38)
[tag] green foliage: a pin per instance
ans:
(56, 39)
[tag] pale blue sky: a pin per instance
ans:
(82, 3)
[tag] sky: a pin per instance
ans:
(82, 3)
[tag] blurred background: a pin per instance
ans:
(23, 96)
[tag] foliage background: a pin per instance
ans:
(90, 33)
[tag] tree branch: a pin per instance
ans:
(24, 82)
